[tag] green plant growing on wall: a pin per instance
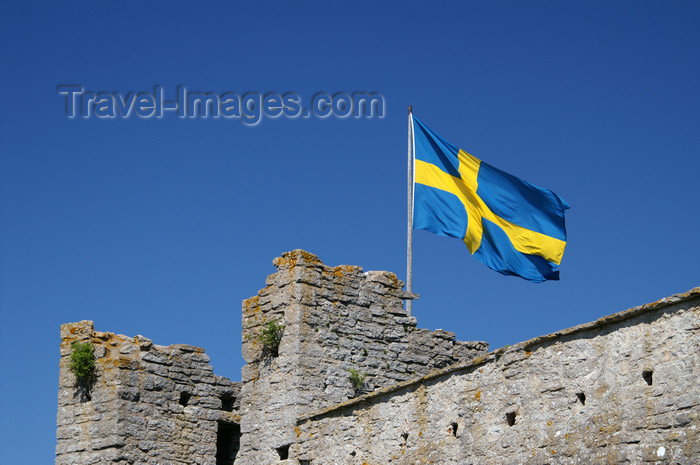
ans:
(356, 379)
(270, 335)
(82, 362)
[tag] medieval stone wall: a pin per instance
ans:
(149, 404)
(336, 319)
(624, 389)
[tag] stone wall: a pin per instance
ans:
(336, 319)
(624, 389)
(149, 404)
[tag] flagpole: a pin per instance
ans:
(409, 241)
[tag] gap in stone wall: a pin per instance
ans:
(227, 402)
(283, 451)
(228, 439)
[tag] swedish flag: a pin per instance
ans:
(510, 225)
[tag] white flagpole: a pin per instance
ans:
(409, 242)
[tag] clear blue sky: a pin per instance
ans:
(162, 226)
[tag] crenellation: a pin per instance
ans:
(622, 389)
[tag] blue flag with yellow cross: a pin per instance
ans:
(510, 225)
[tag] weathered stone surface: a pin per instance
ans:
(620, 390)
(623, 389)
(134, 412)
(336, 319)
